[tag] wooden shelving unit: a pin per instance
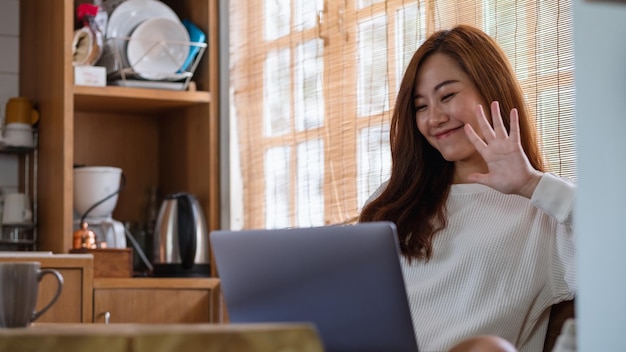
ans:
(163, 138)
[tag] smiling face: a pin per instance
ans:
(445, 100)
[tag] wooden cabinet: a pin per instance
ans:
(162, 138)
(74, 304)
(126, 300)
(147, 300)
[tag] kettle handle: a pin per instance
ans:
(186, 231)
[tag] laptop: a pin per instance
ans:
(345, 279)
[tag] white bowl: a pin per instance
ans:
(123, 20)
(17, 134)
(92, 184)
(158, 48)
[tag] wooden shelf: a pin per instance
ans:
(125, 99)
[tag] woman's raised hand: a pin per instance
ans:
(509, 169)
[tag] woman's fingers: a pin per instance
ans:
(478, 143)
(508, 167)
(496, 119)
(515, 133)
(490, 134)
(483, 124)
(497, 130)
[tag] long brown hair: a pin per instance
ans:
(418, 188)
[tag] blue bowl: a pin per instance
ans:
(196, 35)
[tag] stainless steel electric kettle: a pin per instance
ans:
(181, 239)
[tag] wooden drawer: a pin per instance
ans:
(156, 300)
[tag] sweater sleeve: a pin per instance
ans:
(555, 196)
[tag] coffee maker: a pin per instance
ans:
(95, 196)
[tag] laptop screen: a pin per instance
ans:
(346, 280)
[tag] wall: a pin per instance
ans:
(600, 58)
(9, 82)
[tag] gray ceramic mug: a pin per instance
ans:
(19, 287)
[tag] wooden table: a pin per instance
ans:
(53, 337)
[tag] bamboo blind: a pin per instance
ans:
(313, 83)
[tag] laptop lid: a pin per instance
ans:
(346, 280)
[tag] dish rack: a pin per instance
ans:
(23, 237)
(122, 73)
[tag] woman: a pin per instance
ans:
(485, 232)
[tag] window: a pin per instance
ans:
(313, 83)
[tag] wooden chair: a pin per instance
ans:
(558, 314)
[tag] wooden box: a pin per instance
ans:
(110, 262)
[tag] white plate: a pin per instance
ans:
(158, 48)
(129, 15)
(132, 12)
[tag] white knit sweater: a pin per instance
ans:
(496, 269)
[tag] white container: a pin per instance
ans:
(91, 185)
(16, 209)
